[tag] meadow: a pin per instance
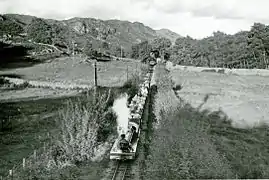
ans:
(75, 70)
(65, 76)
(243, 98)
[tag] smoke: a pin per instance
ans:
(121, 109)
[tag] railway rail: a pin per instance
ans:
(121, 171)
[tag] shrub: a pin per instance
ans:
(208, 70)
(81, 123)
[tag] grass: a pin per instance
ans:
(192, 141)
(29, 125)
(68, 70)
(242, 98)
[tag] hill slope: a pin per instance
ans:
(172, 36)
(106, 35)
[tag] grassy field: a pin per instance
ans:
(243, 98)
(31, 121)
(69, 70)
(197, 137)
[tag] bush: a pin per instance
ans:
(106, 127)
(208, 70)
(82, 126)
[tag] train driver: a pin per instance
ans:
(124, 145)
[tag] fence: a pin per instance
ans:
(246, 72)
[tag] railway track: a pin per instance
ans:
(121, 171)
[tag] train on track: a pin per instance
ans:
(134, 120)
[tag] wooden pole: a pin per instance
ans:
(95, 74)
(11, 173)
(23, 163)
(127, 72)
(95, 81)
(121, 51)
(35, 154)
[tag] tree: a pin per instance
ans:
(58, 35)
(88, 50)
(39, 31)
(141, 50)
(135, 51)
(8, 27)
(258, 42)
(161, 44)
(117, 51)
(105, 45)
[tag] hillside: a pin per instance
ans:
(172, 36)
(105, 35)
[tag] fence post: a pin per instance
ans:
(35, 154)
(23, 163)
(95, 74)
(44, 146)
(11, 173)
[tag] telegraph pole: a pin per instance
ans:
(127, 72)
(73, 47)
(95, 81)
(73, 43)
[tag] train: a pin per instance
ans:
(134, 122)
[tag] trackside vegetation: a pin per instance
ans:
(190, 143)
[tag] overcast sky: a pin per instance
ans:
(196, 18)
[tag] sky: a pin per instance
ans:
(196, 18)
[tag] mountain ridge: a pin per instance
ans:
(116, 33)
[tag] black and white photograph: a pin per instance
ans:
(134, 89)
